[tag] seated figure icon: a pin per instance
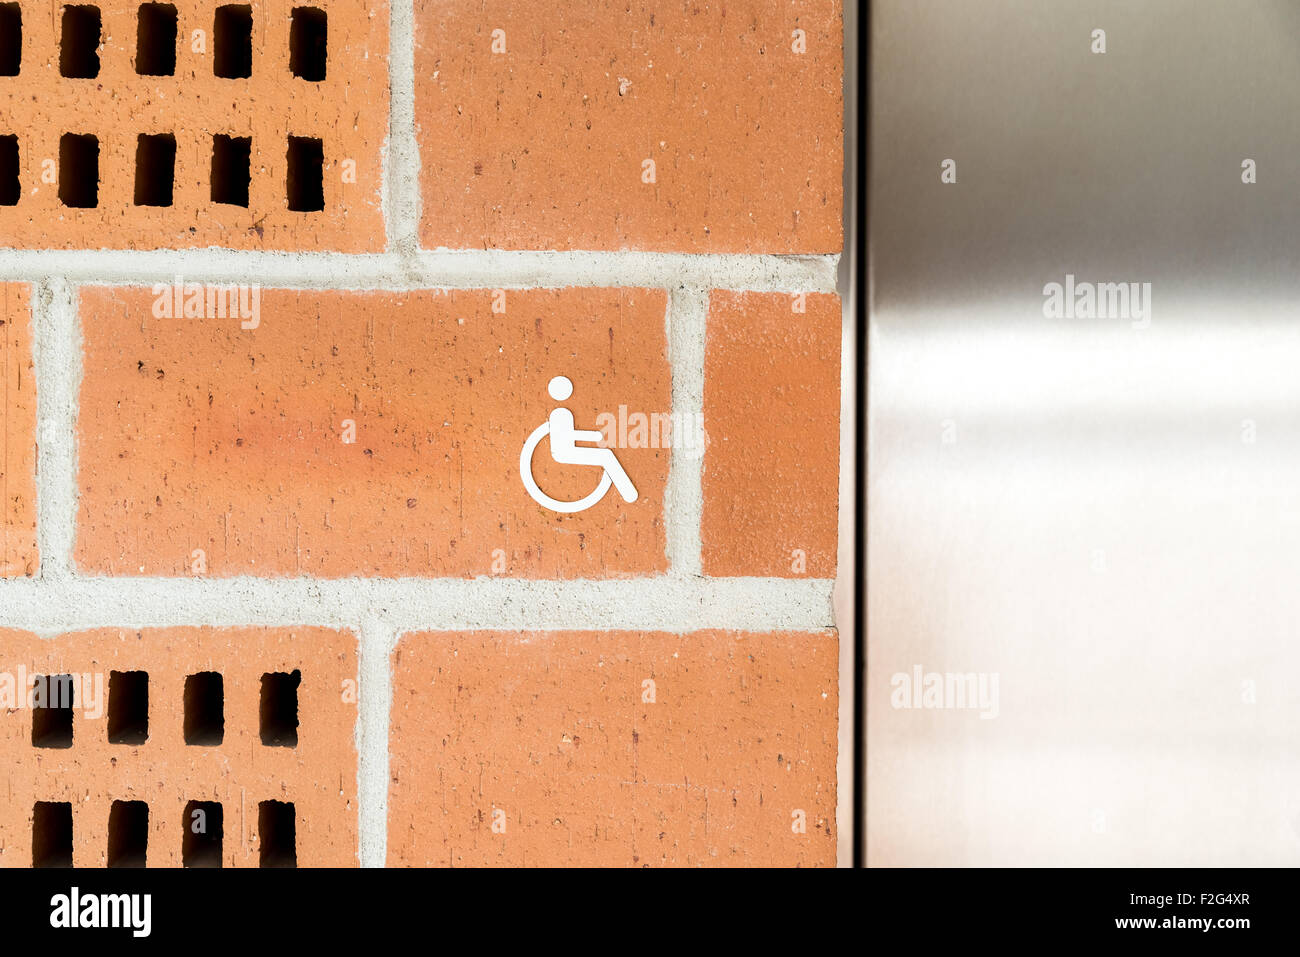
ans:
(566, 450)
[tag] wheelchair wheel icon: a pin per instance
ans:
(540, 497)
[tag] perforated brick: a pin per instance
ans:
(122, 114)
(127, 744)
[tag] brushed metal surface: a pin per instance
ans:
(1101, 511)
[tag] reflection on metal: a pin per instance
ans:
(1086, 498)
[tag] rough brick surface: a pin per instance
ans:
(552, 735)
(18, 424)
(347, 111)
(199, 434)
(318, 775)
(541, 146)
(771, 407)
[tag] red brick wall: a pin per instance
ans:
(279, 434)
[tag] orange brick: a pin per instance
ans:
(347, 111)
(542, 146)
(552, 738)
(199, 434)
(18, 555)
(317, 775)
(772, 412)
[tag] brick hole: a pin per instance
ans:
(205, 719)
(232, 42)
(307, 43)
(79, 170)
(52, 834)
(155, 40)
(279, 709)
(201, 843)
(79, 47)
(128, 833)
(52, 711)
(277, 827)
(306, 183)
(10, 189)
(11, 38)
(128, 707)
(230, 164)
(155, 169)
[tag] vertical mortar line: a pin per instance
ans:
(57, 355)
(377, 638)
(683, 496)
(401, 194)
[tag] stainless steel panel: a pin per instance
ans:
(1098, 514)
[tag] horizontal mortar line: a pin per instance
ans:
(450, 269)
(654, 604)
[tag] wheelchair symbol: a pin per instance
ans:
(566, 451)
